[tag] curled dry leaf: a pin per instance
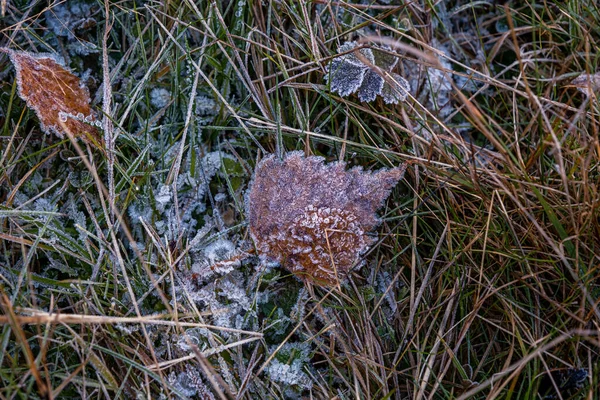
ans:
(315, 218)
(57, 96)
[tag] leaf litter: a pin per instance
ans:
(58, 97)
(316, 218)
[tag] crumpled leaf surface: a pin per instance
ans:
(55, 94)
(315, 218)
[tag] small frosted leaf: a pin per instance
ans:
(395, 89)
(315, 218)
(350, 72)
(586, 82)
(383, 58)
(54, 93)
(353, 58)
(345, 78)
(371, 86)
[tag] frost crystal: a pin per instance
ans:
(219, 257)
(206, 109)
(315, 218)
(351, 72)
(288, 366)
(160, 97)
(394, 90)
(64, 19)
(163, 197)
(189, 383)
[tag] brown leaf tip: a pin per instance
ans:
(57, 96)
(315, 218)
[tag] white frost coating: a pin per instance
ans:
(160, 97)
(287, 367)
(289, 374)
(205, 109)
(395, 89)
(190, 383)
(66, 18)
(163, 197)
(440, 88)
(219, 257)
(350, 73)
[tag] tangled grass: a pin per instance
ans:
(130, 273)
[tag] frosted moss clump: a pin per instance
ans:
(189, 193)
(368, 72)
(193, 337)
(163, 197)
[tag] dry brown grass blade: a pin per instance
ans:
(40, 318)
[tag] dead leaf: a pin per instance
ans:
(57, 96)
(315, 218)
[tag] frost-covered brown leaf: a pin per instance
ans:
(315, 218)
(57, 96)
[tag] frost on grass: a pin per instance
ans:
(55, 94)
(178, 212)
(66, 19)
(189, 383)
(71, 20)
(367, 70)
(288, 368)
(215, 283)
(315, 218)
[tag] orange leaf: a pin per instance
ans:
(59, 99)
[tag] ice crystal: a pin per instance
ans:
(288, 366)
(354, 71)
(163, 197)
(160, 97)
(82, 48)
(219, 257)
(189, 383)
(440, 87)
(315, 218)
(205, 110)
(64, 19)
(60, 266)
(189, 193)
(193, 337)
(288, 374)
(216, 284)
(395, 89)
